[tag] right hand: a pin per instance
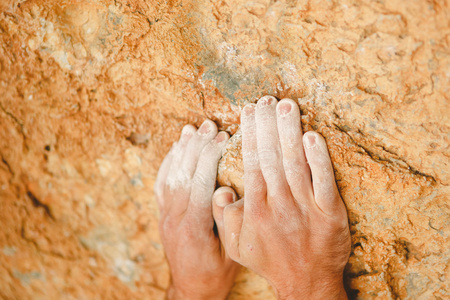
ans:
(292, 228)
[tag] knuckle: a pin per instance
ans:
(179, 181)
(273, 173)
(295, 175)
(269, 155)
(328, 193)
(250, 158)
(340, 224)
(337, 223)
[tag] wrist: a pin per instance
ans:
(317, 289)
(174, 293)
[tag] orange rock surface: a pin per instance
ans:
(93, 94)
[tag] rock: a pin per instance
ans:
(94, 94)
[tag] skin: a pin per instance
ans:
(291, 228)
(186, 180)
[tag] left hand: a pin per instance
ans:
(184, 188)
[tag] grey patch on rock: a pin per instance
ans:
(9, 251)
(113, 246)
(228, 82)
(125, 269)
(225, 81)
(26, 278)
(137, 180)
(417, 285)
(156, 245)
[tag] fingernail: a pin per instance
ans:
(284, 108)
(205, 128)
(249, 109)
(265, 101)
(222, 136)
(224, 198)
(187, 132)
(310, 140)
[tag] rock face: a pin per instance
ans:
(93, 93)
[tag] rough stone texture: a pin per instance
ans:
(93, 93)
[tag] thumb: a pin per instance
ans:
(222, 197)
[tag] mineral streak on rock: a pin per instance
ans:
(93, 94)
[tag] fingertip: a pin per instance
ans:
(188, 131)
(286, 107)
(207, 128)
(224, 196)
(312, 139)
(316, 149)
(188, 128)
(266, 101)
(248, 110)
(222, 137)
(248, 118)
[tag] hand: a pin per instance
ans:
(184, 187)
(292, 227)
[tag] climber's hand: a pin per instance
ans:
(292, 226)
(186, 180)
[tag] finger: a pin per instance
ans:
(269, 149)
(174, 179)
(254, 185)
(295, 167)
(233, 216)
(204, 181)
(326, 193)
(206, 132)
(222, 197)
(175, 182)
(161, 178)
